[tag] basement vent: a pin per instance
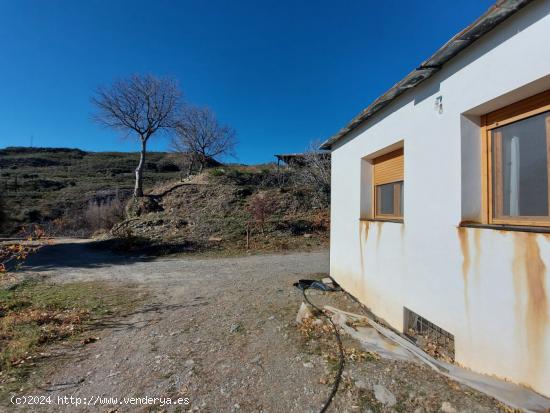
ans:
(428, 336)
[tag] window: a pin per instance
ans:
(518, 144)
(388, 185)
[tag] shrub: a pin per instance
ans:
(261, 206)
(69, 224)
(315, 174)
(216, 172)
(12, 255)
(103, 215)
(33, 215)
(3, 215)
(168, 164)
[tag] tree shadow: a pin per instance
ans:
(97, 254)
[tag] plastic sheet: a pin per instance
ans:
(388, 344)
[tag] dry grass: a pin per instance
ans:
(34, 315)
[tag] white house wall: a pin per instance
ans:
(489, 288)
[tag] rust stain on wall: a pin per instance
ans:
(477, 248)
(364, 230)
(363, 236)
(379, 224)
(465, 248)
(530, 282)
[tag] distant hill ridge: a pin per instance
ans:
(46, 183)
(14, 150)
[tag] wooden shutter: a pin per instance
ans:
(389, 167)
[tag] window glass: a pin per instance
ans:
(386, 199)
(390, 199)
(520, 168)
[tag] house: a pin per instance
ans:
(441, 197)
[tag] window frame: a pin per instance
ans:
(523, 109)
(398, 201)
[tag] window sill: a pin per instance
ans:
(503, 227)
(396, 221)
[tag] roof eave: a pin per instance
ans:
(499, 12)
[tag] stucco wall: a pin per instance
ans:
(489, 288)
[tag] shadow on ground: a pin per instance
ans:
(96, 254)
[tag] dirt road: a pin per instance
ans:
(220, 332)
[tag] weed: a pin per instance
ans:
(34, 315)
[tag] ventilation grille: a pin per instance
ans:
(431, 338)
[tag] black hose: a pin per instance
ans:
(340, 348)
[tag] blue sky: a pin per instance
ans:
(282, 73)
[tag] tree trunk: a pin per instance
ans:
(190, 169)
(202, 162)
(138, 188)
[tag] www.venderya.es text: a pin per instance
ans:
(95, 400)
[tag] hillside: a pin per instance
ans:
(73, 192)
(231, 209)
(43, 184)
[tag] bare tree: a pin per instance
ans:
(200, 135)
(316, 172)
(138, 106)
(261, 206)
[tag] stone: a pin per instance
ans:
(383, 395)
(215, 239)
(235, 328)
(303, 313)
(361, 384)
(447, 407)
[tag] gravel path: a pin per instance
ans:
(220, 332)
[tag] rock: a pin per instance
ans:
(235, 328)
(141, 206)
(189, 363)
(308, 235)
(303, 313)
(89, 340)
(215, 239)
(383, 395)
(361, 384)
(308, 365)
(447, 407)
